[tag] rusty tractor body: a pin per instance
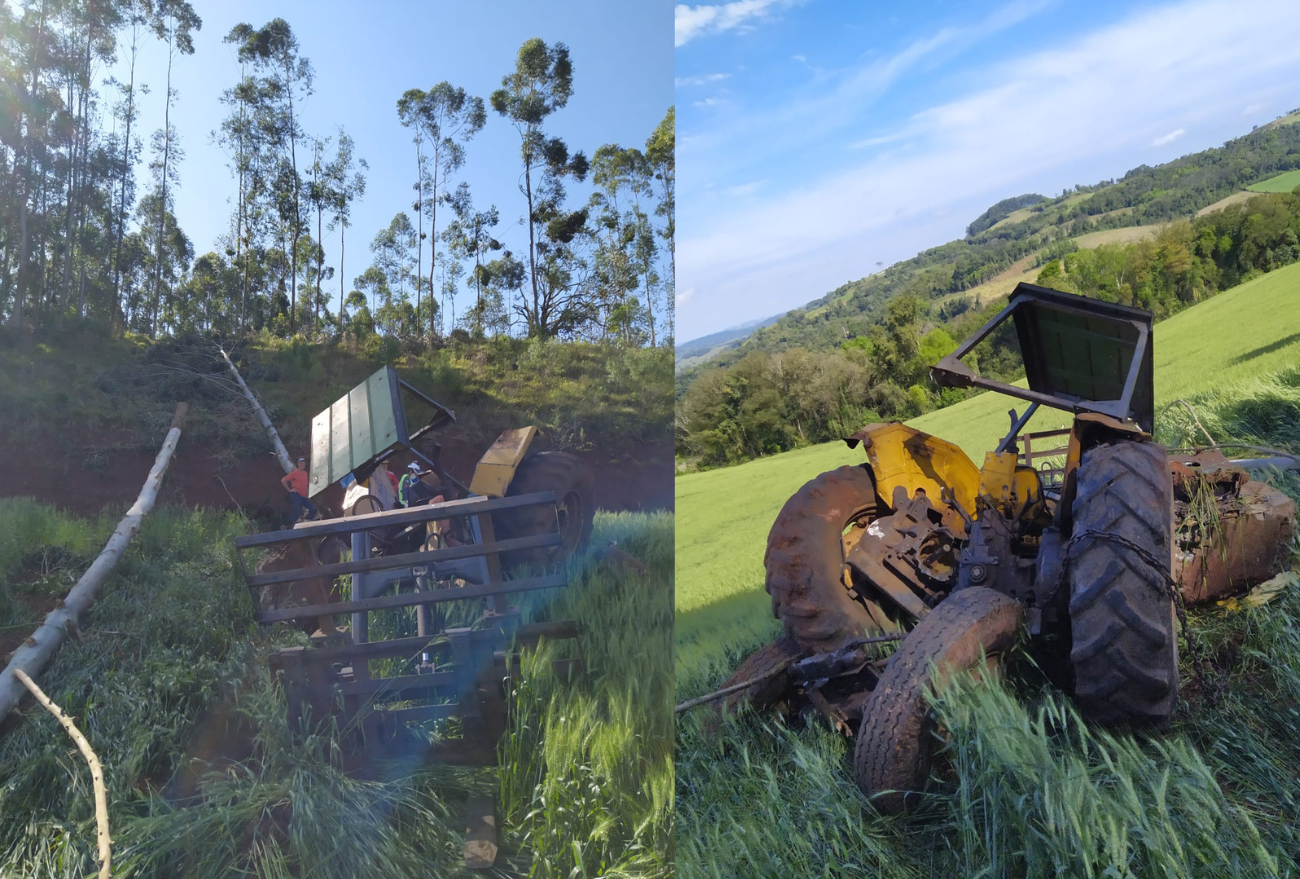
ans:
(1069, 534)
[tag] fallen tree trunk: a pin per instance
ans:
(281, 454)
(36, 652)
(96, 772)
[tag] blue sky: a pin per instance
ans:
(817, 138)
(366, 56)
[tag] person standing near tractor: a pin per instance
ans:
(295, 482)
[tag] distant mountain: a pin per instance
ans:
(699, 350)
(1013, 235)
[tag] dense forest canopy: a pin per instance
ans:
(862, 352)
(88, 230)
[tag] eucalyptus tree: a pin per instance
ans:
(319, 197)
(542, 83)
(659, 152)
(469, 236)
(273, 49)
(242, 137)
(345, 184)
(173, 22)
(125, 111)
(447, 117)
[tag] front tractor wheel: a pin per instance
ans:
(1124, 650)
(575, 509)
(806, 549)
(896, 740)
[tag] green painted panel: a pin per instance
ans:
(356, 429)
(359, 411)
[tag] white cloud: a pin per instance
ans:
(702, 79)
(684, 296)
(1252, 109)
(800, 58)
(1169, 138)
(707, 102)
(690, 22)
(746, 188)
(1147, 79)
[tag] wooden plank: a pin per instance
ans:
(384, 414)
(470, 506)
(412, 599)
(527, 635)
(480, 833)
(422, 712)
(392, 686)
(402, 560)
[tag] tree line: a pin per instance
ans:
(88, 230)
(772, 401)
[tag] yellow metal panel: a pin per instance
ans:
(902, 455)
(1009, 487)
(496, 468)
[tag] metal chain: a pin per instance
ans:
(1195, 653)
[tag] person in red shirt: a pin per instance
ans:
(295, 482)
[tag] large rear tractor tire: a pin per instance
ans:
(575, 509)
(896, 740)
(806, 549)
(1124, 649)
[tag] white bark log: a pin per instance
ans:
(35, 653)
(281, 454)
(96, 772)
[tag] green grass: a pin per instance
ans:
(171, 671)
(1284, 182)
(1037, 794)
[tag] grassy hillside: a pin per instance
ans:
(1281, 183)
(205, 779)
(1035, 792)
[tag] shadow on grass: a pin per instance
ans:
(1267, 349)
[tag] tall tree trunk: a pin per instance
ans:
(297, 210)
(343, 228)
(162, 202)
(126, 169)
(433, 237)
(419, 242)
(532, 244)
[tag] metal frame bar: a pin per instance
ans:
(951, 372)
(471, 506)
(403, 560)
(409, 599)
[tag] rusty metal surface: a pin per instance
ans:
(1248, 543)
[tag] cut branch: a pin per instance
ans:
(37, 651)
(281, 454)
(96, 771)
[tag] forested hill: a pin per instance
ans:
(1160, 238)
(1144, 196)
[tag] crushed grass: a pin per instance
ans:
(170, 685)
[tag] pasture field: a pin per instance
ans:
(205, 779)
(1123, 235)
(1236, 198)
(1281, 183)
(762, 799)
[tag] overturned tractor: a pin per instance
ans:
(1078, 544)
(426, 590)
